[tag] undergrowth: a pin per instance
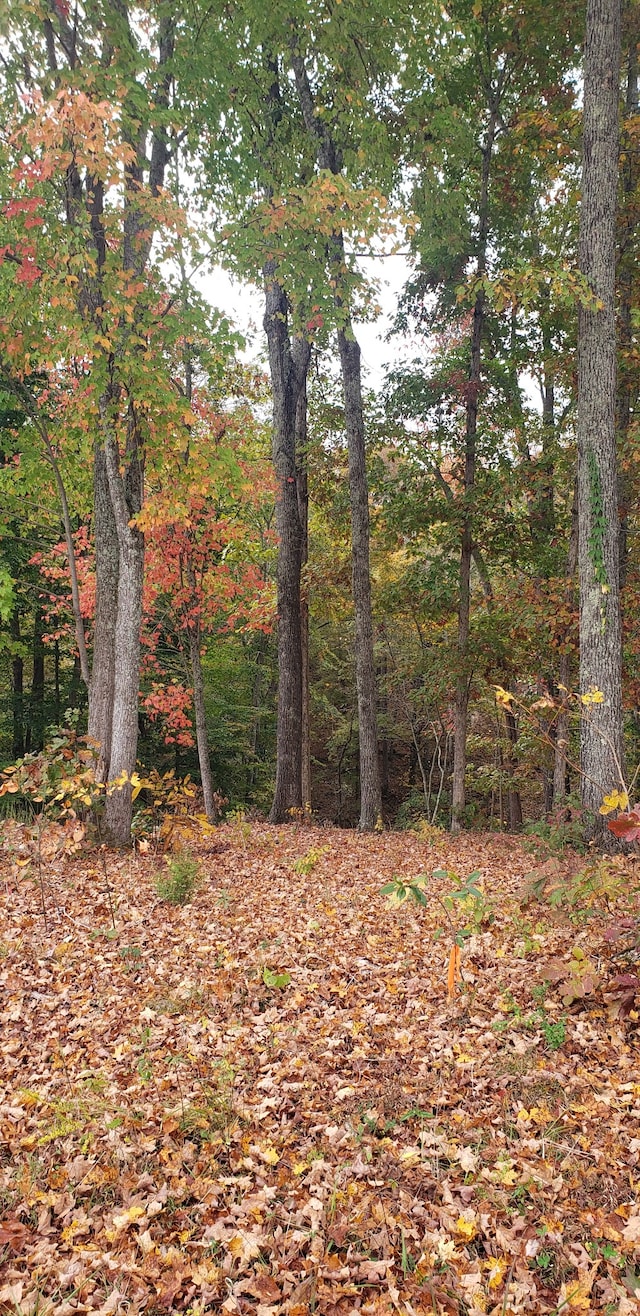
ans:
(179, 884)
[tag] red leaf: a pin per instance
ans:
(627, 825)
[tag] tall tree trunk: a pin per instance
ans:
(17, 687)
(56, 680)
(564, 670)
(461, 705)
(600, 633)
(195, 627)
(562, 734)
(627, 273)
(545, 510)
(515, 803)
(288, 363)
(36, 702)
(126, 501)
(370, 790)
(328, 157)
(113, 687)
(202, 738)
(103, 668)
(302, 482)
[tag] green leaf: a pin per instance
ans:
(271, 979)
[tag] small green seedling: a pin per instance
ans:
(271, 979)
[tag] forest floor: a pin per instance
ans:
(269, 1100)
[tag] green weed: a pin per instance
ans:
(179, 884)
(305, 865)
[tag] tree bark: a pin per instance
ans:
(113, 688)
(515, 803)
(370, 790)
(195, 631)
(36, 702)
(202, 739)
(627, 273)
(288, 363)
(461, 705)
(126, 500)
(600, 633)
(302, 483)
(564, 670)
(17, 687)
(350, 361)
(103, 667)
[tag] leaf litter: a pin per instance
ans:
(271, 1099)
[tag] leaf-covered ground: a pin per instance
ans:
(185, 1128)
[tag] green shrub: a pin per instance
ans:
(558, 832)
(180, 882)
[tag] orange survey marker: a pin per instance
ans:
(454, 971)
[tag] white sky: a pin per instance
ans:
(243, 304)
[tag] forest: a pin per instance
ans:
(254, 569)
(319, 683)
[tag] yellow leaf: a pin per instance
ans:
(592, 696)
(503, 697)
(576, 1296)
(616, 800)
(270, 1156)
(128, 1217)
(243, 1247)
(466, 1228)
(496, 1273)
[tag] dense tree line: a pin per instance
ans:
(315, 611)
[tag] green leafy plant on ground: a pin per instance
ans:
(305, 865)
(560, 831)
(179, 884)
(467, 897)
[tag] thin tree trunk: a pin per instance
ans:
(56, 679)
(600, 633)
(627, 258)
(370, 792)
(17, 687)
(202, 740)
(113, 688)
(103, 668)
(302, 484)
(544, 508)
(515, 803)
(350, 361)
(288, 364)
(461, 705)
(564, 671)
(36, 702)
(562, 734)
(195, 627)
(126, 501)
